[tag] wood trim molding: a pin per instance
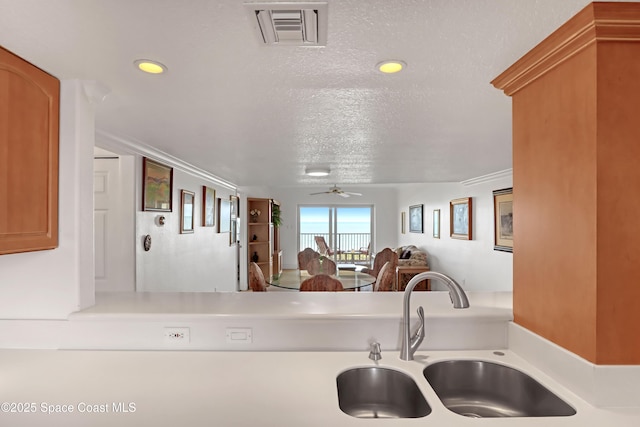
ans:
(597, 22)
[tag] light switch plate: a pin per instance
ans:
(239, 336)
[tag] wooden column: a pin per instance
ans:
(576, 163)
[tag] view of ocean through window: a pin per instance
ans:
(345, 228)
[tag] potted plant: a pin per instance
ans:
(275, 216)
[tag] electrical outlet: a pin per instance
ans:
(175, 336)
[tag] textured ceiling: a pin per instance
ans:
(257, 115)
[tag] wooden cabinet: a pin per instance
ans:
(29, 127)
(404, 273)
(260, 234)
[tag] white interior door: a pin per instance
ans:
(113, 233)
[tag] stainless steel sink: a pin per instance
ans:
(375, 392)
(481, 389)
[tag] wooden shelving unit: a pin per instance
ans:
(260, 235)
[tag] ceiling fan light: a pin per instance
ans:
(317, 171)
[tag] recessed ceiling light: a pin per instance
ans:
(390, 67)
(149, 66)
(317, 171)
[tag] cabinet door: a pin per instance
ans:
(29, 114)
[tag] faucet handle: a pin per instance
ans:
(376, 352)
(419, 334)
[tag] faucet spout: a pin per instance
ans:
(458, 298)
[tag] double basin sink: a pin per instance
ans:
(472, 388)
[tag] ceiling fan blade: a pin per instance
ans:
(342, 194)
(352, 194)
(322, 192)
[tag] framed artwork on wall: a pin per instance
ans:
(415, 218)
(503, 219)
(403, 222)
(436, 223)
(208, 206)
(157, 186)
(187, 202)
(460, 218)
(224, 215)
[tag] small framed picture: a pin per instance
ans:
(503, 219)
(460, 211)
(157, 186)
(224, 215)
(415, 218)
(403, 222)
(187, 200)
(208, 206)
(436, 223)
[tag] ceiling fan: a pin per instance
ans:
(336, 190)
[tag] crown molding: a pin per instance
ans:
(507, 173)
(121, 145)
(597, 22)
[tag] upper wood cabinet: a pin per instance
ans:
(29, 126)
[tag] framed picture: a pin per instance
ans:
(187, 200)
(157, 186)
(415, 218)
(436, 223)
(503, 219)
(233, 220)
(224, 215)
(208, 206)
(460, 214)
(403, 222)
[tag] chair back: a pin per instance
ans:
(321, 282)
(385, 279)
(387, 254)
(305, 256)
(326, 266)
(256, 278)
(323, 248)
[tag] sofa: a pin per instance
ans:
(411, 256)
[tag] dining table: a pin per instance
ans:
(351, 280)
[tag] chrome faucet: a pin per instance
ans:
(375, 354)
(411, 343)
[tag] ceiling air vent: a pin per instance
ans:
(290, 24)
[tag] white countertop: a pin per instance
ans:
(293, 305)
(202, 388)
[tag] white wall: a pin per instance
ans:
(51, 284)
(201, 261)
(474, 264)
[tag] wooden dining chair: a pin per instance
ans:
(256, 278)
(386, 278)
(306, 256)
(321, 282)
(387, 254)
(326, 266)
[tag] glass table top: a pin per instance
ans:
(291, 279)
